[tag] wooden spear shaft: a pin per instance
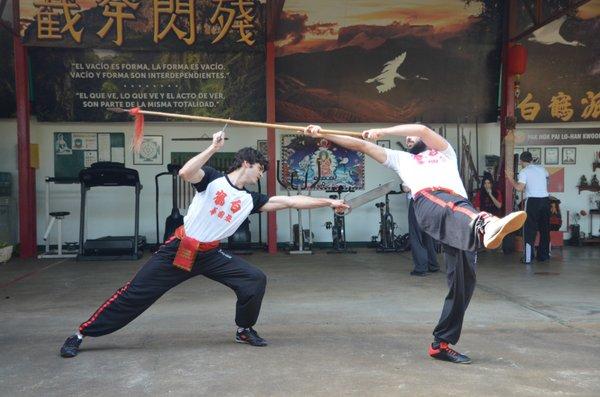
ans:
(237, 122)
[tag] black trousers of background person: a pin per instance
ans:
(159, 275)
(538, 219)
(421, 244)
(452, 220)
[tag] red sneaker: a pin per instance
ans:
(446, 353)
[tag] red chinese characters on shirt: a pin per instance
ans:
(236, 205)
(432, 157)
(418, 158)
(219, 200)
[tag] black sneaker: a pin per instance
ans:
(250, 336)
(71, 346)
(446, 353)
(418, 274)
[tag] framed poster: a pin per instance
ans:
(569, 155)
(551, 155)
(302, 157)
(74, 151)
(536, 153)
(384, 143)
(151, 151)
(263, 147)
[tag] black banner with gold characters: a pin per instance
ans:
(208, 25)
(79, 85)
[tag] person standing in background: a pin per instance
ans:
(533, 181)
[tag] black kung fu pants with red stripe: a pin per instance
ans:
(452, 220)
(159, 275)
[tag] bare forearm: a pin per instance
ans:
(517, 185)
(192, 168)
(405, 130)
(305, 202)
(431, 138)
(347, 142)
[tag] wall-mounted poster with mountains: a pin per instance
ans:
(180, 25)
(388, 61)
(7, 75)
(562, 80)
(80, 85)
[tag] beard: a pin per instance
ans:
(418, 147)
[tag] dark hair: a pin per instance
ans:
(251, 155)
(526, 157)
(487, 176)
(418, 147)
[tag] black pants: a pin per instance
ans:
(538, 219)
(452, 220)
(421, 244)
(159, 275)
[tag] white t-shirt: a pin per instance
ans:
(534, 177)
(429, 169)
(219, 207)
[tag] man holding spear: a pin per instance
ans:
(442, 211)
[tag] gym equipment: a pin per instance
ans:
(298, 235)
(288, 190)
(309, 190)
(103, 174)
(338, 227)
(174, 220)
(70, 251)
(5, 206)
(388, 241)
(240, 242)
(300, 238)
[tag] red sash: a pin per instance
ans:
(188, 249)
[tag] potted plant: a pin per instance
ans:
(6, 251)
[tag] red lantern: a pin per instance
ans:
(517, 60)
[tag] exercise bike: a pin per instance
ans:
(338, 227)
(301, 239)
(388, 241)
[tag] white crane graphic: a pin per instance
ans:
(550, 34)
(386, 79)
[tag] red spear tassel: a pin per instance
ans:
(138, 135)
